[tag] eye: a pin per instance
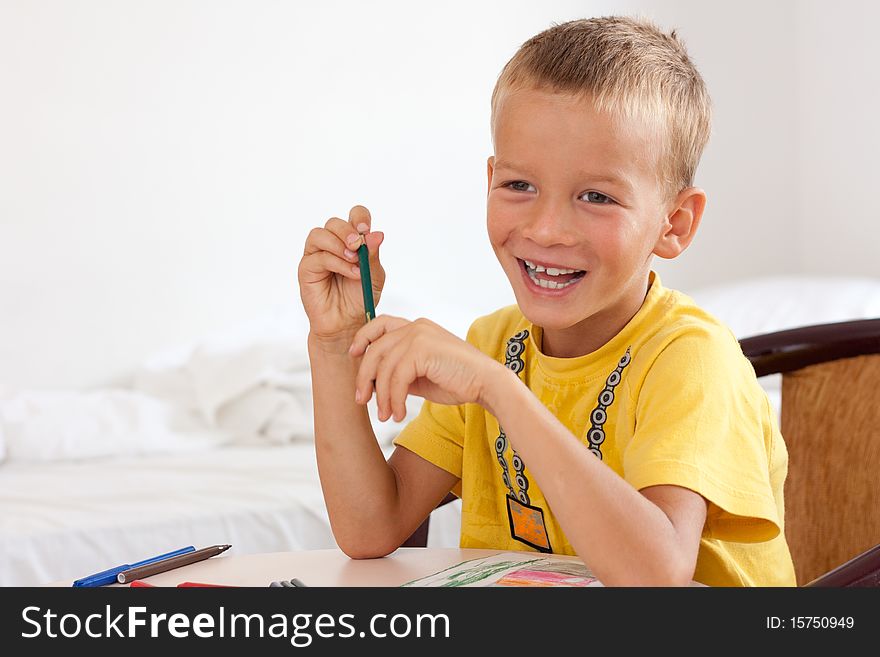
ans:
(597, 197)
(519, 186)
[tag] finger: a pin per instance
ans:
(391, 371)
(331, 238)
(359, 218)
(368, 369)
(349, 236)
(402, 360)
(317, 266)
(373, 331)
(377, 271)
(365, 377)
(373, 242)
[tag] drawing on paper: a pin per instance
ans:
(511, 569)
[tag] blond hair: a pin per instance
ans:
(628, 68)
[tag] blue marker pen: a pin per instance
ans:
(109, 576)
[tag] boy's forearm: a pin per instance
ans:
(603, 516)
(359, 487)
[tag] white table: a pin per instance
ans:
(317, 568)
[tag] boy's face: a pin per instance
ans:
(574, 211)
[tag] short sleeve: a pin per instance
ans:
(436, 434)
(701, 422)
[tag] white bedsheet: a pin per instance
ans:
(65, 520)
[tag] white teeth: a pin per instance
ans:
(551, 271)
(532, 269)
(552, 285)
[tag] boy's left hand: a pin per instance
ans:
(417, 358)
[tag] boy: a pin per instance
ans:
(603, 415)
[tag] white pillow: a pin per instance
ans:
(40, 425)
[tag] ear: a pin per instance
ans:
(490, 169)
(682, 220)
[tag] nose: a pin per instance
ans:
(550, 223)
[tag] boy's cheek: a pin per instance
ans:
(498, 226)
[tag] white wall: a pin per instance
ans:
(746, 54)
(838, 144)
(162, 162)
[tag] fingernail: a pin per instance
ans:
(355, 269)
(363, 228)
(350, 254)
(354, 238)
(357, 396)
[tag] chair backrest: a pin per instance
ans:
(830, 420)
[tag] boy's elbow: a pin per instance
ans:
(365, 552)
(649, 580)
(674, 575)
(361, 547)
(668, 574)
(677, 579)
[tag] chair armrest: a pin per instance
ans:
(793, 349)
(863, 570)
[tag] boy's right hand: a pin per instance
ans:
(330, 280)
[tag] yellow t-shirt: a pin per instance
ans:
(669, 400)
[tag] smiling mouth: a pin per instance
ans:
(551, 278)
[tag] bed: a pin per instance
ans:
(212, 442)
(64, 520)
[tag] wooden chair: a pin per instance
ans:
(831, 426)
(830, 420)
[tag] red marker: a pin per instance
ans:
(188, 585)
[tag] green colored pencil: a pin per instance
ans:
(366, 281)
